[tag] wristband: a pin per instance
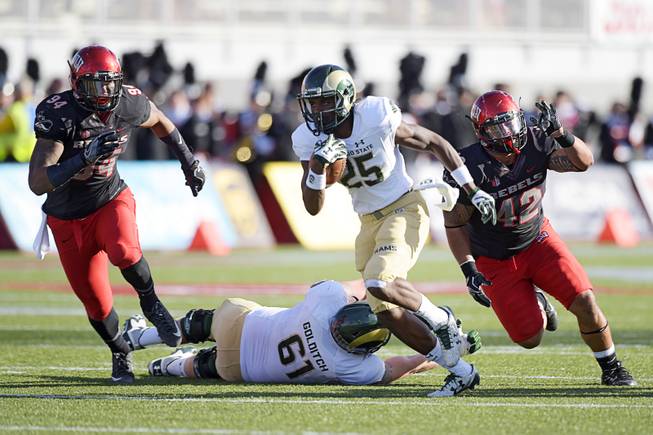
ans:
(462, 176)
(62, 172)
(566, 140)
(469, 268)
(315, 181)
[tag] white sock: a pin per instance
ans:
(176, 368)
(435, 354)
(461, 368)
(436, 315)
(605, 353)
(149, 337)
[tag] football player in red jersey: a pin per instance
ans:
(504, 263)
(90, 210)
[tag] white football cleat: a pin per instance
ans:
(159, 366)
(450, 339)
(132, 331)
(454, 385)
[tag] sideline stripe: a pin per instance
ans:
(90, 429)
(235, 289)
(353, 401)
(24, 369)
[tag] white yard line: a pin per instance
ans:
(338, 402)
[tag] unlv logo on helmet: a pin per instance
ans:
(96, 78)
(499, 122)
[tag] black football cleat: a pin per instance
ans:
(617, 376)
(166, 325)
(122, 371)
(549, 310)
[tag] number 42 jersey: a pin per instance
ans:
(376, 172)
(294, 345)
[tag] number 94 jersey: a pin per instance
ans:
(376, 172)
(294, 345)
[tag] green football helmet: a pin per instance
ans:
(327, 97)
(356, 329)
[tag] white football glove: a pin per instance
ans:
(447, 195)
(484, 203)
(329, 150)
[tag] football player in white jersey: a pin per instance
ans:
(329, 337)
(394, 216)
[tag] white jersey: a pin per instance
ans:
(294, 345)
(376, 172)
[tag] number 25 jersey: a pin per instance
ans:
(376, 172)
(294, 345)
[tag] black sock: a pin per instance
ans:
(140, 277)
(609, 362)
(109, 330)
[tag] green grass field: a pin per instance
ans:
(54, 373)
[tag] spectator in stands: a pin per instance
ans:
(615, 136)
(16, 132)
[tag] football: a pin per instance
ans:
(333, 171)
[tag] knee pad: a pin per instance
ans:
(204, 363)
(196, 325)
(138, 275)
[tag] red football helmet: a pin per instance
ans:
(499, 122)
(96, 78)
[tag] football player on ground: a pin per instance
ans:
(329, 337)
(90, 210)
(502, 264)
(394, 217)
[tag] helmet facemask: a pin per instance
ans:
(327, 98)
(505, 133)
(99, 92)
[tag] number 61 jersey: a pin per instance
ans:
(376, 173)
(294, 345)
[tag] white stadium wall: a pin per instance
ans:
(593, 48)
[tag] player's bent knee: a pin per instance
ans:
(123, 256)
(532, 342)
(204, 363)
(196, 325)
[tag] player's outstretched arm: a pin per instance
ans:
(574, 155)
(46, 153)
(399, 367)
(576, 158)
(313, 186)
(458, 239)
(165, 130)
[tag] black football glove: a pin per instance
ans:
(548, 120)
(101, 145)
(475, 280)
(195, 177)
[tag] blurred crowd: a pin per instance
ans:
(262, 131)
